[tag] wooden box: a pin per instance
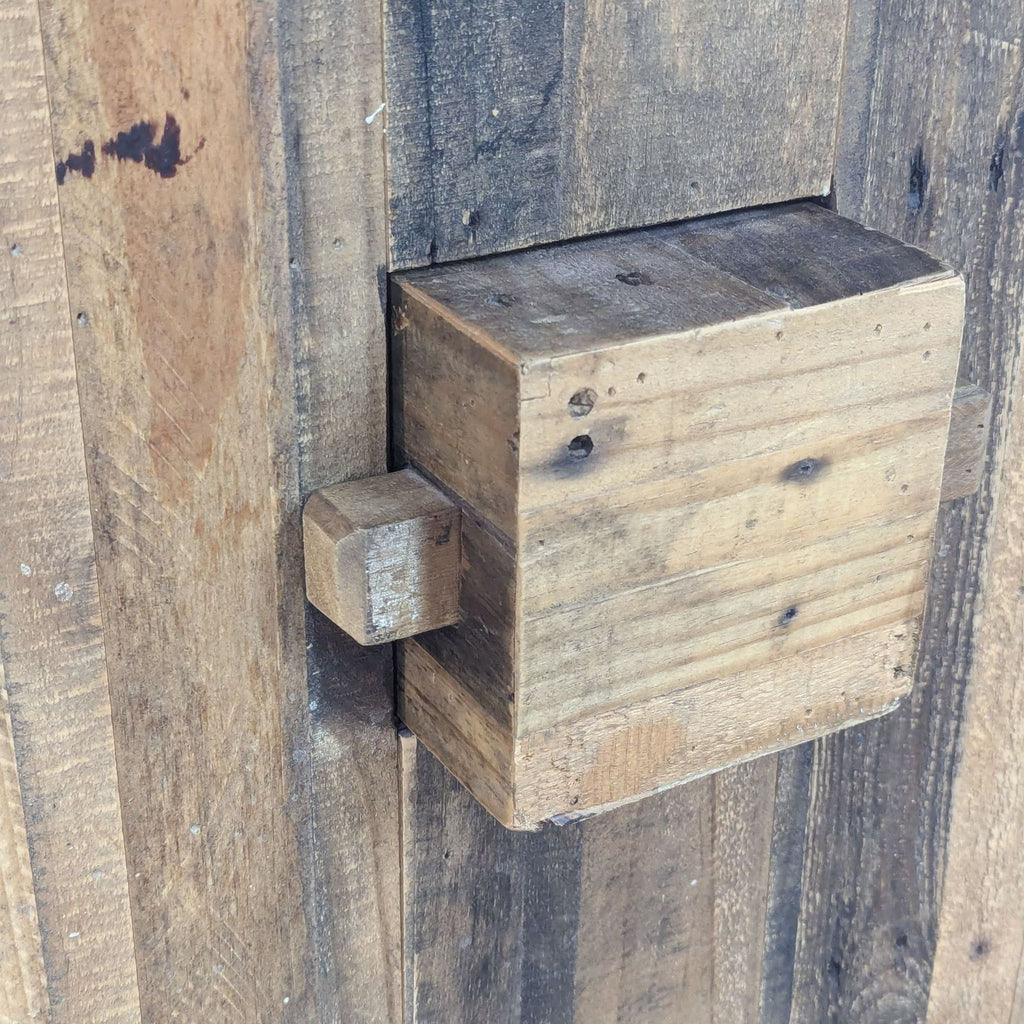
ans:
(699, 469)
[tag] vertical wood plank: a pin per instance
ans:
(58, 741)
(515, 123)
(22, 973)
(647, 897)
(981, 918)
(229, 332)
(331, 85)
(875, 892)
(490, 915)
(744, 802)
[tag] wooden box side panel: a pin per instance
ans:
(455, 407)
(629, 752)
(453, 724)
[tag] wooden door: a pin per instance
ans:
(209, 812)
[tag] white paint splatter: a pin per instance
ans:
(63, 591)
(371, 117)
(26, 570)
(73, 935)
(194, 830)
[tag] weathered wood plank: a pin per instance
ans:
(981, 915)
(518, 123)
(332, 60)
(231, 360)
(880, 812)
(490, 916)
(23, 993)
(58, 740)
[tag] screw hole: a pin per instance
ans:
(580, 447)
(582, 402)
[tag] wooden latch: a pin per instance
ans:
(669, 503)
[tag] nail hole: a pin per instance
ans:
(641, 377)
(804, 471)
(927, 355)
(788, 615)
(634, 277)
(580, 447)
(83, 319)
(582, 402)
(502, 299)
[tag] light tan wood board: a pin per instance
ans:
(225, 291)
(72, 913)
(22, 972)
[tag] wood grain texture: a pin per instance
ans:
(23, 994)
(490, 917)
(679, 546)
(227, 295)
(603, 921)
(337, 237)
(854, 906)
(969, 420)
(519, 123)
(60, 784)
(383, 556)
(878, 881)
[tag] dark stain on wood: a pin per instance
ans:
(84, 163)
(804, 471)
(634, 278)
(995, 167)
(139, 145)
(918, 183)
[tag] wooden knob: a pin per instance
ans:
(382, 556)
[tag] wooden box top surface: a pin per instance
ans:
(589, 294)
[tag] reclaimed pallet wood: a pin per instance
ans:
(225, 291)
(911, 891)
(66, 948)
(514, 123)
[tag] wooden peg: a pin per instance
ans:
(382, 556)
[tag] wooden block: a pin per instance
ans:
(699, 469)
(969, 422)
(382, 556)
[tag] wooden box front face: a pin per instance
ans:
(699, 468)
